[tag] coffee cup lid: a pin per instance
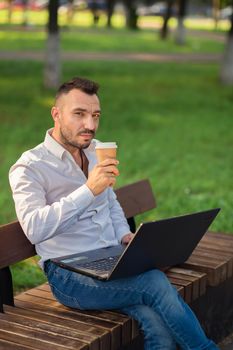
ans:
(105, 145)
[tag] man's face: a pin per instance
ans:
(76, 116)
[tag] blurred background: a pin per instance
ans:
(166, 76)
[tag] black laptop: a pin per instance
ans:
(156, 244)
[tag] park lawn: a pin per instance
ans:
(107, 40)
(173, 124)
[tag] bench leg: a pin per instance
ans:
(6, 288)
(132, 224)
(1, 303)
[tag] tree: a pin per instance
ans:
(167, 16)
(131, 13)
(110, 8)
(226, 74)
(216, 10)
(52, 60)
(180, 31)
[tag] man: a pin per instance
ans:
(65, 204)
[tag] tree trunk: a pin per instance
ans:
(131, 14)
(10, 10)
(52, 60)
(164, 30)
(110, 9)
(216, 10)
(180, 36)
(226, 74)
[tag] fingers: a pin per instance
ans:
(102, 176)
(127, 238)
(109, 166)
(111, 171)
(110, 161)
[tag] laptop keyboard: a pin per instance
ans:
(102, 264)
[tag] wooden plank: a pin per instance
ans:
(219, 239)
(8, 345)
(190, 284)
(52, 325)
(185, 284)
(180, 289)
(222, 236)
(21, 249)
(213, 258)
(40, 340)
(136, 198)
(216, 254)
(123, 320)
(193, 282)
(201, 277)
(54, 308)
(216, 272)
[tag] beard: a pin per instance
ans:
(69, 140)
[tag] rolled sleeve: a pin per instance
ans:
(82, 197)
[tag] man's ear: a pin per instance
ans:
(55, 113)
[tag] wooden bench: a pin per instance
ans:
(35, 320)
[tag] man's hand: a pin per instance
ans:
(127, 238)
(102, 176)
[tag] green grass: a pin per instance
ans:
(173, 124)
(104, 40)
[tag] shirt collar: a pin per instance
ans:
(58, 150)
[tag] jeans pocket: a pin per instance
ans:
(56, 274)
(59, 292)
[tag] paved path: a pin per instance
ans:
(113, 56)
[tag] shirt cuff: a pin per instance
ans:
(121, 232)
(82, 197)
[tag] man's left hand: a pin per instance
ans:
(127, 238)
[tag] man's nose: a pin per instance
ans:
(89, 122)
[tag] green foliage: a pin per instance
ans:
(26, 274)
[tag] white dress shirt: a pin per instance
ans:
(57, 211)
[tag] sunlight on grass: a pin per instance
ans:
(207, 24)
(83, 18)
(104, 40)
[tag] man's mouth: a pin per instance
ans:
(88, 136)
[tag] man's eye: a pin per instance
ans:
(96, 116)
(79, 114)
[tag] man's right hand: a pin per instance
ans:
(102, 176)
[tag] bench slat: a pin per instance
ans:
(103, 326)
(136, 198)
(118, 318)
(8, 345)
(192, 275)
(106, 315)
(36, 338)
(55, 325)
(63, 335)
(20, 250)
(185, 284)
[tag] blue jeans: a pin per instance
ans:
(165, 319)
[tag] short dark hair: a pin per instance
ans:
(83, 84)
